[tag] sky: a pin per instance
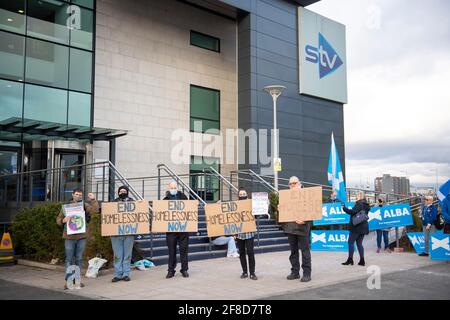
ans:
(397, 120)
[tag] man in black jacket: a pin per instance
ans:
(174, 238)
(298, 237)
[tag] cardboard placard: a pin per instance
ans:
(228, 218)
(175, 216)
(303, 204)
(77, 222)
(125, 218)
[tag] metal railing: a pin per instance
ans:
(180, 182)
(26, 189)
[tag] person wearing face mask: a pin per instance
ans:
(122, 245)
(298, 238)
(174, 238)
(246, 244)
(74, 244)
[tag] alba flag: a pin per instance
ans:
(335, 176)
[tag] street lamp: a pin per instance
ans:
(275, 91)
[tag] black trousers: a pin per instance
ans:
(353, 236)
(246, 247)
(297, 242)
(182, 239)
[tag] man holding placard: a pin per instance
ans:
(174, 238)
(74, 216)
(298, 231)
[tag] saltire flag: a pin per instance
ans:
(443, 191)
(335, 176)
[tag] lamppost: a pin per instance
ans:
(275, 91)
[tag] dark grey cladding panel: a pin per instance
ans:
(268, 54)
(275, 45)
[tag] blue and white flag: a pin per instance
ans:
(439, 246)
(417, 240)
(335, 176)
(443, 191)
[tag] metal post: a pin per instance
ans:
(112, 158)
(275, 141)
(159, 183)
(396, 237)
(103, 184)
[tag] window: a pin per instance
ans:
(45, 104)
(79, 109)
(82, 37)
(11, 56)
(80, 70)
(85, 3)
(204, 41)
(12, 15)
(48, 20)
(206, 187)
(47, 63)
(11, 94)
(205, 109)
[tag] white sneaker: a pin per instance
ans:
(235, 255)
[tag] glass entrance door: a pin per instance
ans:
(70, 177)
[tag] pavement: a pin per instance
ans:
(426, 283)
(219, 278)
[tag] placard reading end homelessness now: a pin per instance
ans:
(175, 216)
(125, 218)
(303, 204)
(228, 218)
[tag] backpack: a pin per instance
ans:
(439, 222)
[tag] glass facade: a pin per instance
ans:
(206, 187)
(46, 54)
(204, 109)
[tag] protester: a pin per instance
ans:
(74, 244)
(382, 233)
(122, 246)
(428, 216)
(333, 197)
(357, 232)
(446, 213)
(174, 238)
(298, 233)
(245, 242)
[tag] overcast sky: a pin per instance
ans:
(397, 119)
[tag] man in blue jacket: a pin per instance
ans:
(428, 216)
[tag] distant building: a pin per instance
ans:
(392, 185)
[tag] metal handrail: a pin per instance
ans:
(169, 171)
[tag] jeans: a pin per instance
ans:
(247, 246)
(385, 235)
(351, 244)
(426, 236)
(123, 249)
(220, 241)
(297, 242)
(74, 249)
(182, 239)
